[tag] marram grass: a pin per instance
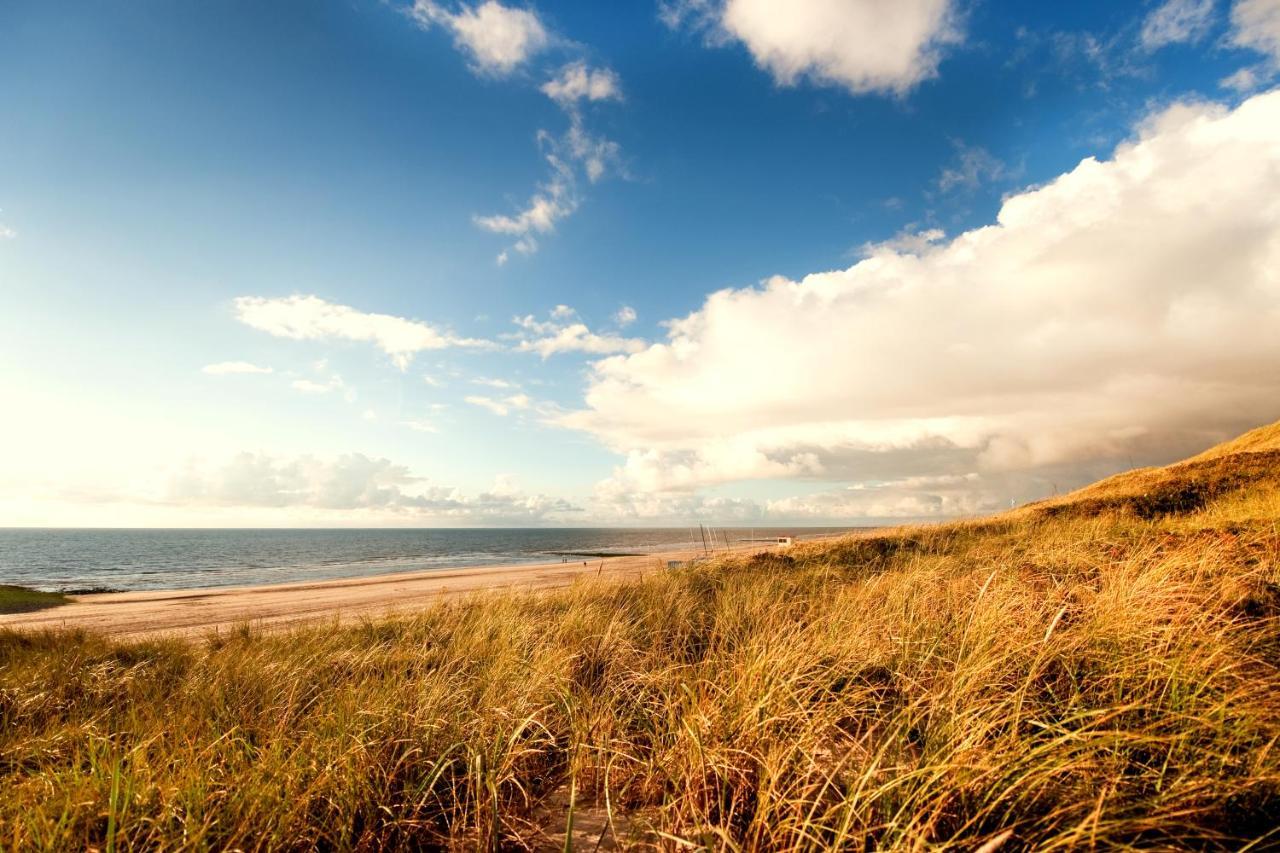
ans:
(1044, 680)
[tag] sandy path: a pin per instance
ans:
(194, 611)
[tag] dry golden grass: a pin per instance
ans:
(1099, 672)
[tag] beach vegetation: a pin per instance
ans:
(1100, 670)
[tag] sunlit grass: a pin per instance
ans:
(1066, 681)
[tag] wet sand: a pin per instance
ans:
(199, 611)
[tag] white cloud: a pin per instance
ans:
(494, 383)
(578, 82)
(886, 46)
(224, 368)
(501, 407)
(498, 38)
(625, 316)
(596, 154)
(312, 318)
(908, 240)
(7, 233)
(309, 386)
(1176, 22)
(557, 197)
(907, 498)
(893, 501)
(1255, 24)
(554, 200)
(420, 426)
(564, 332)
(1125, 311)
(351, 482)
(1246, 79)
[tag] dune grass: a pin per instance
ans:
(1050, 680)
(19, 599)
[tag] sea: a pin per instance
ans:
(121, 560)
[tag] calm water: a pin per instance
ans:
(174, 559)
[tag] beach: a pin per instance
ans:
(189, 612)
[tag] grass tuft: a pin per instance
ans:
(19, 599)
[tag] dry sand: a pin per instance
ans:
(198, 611)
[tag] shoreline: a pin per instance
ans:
(185, 612)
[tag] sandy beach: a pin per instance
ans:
(198, 611)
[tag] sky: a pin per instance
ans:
(456, 263)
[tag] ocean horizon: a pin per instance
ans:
(129, 559)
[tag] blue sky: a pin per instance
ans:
(175, 178)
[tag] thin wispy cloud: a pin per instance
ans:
(501, 406)
(554, 200)
(564, 332)
(226, 368)
(312, 318)
(1177, 22)
(973, 166)
(310, 386)
(498, 39)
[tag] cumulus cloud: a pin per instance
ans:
(498, 38)
(884, 46)
(351, 482)
(579, 82)
(565, 332)
(1123, 312)
(225, 368)
(312, 318)
(625, 316)
(1175, 22)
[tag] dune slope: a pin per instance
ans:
(1097, 670)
